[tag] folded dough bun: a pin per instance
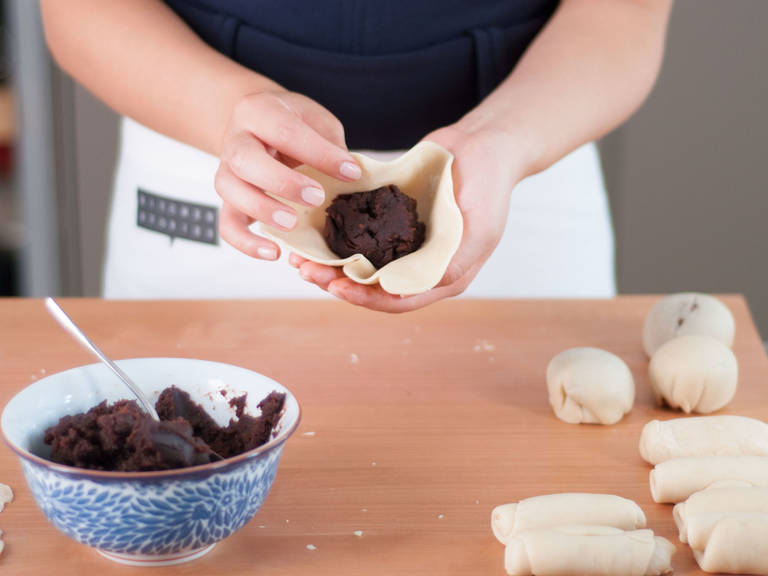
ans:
(722, 435)
(694, 373)
(589, 385)
(550, 510)
(684, 314)
(423, 173)
(595, 550)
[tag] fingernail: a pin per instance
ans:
(313, 195)
(350, 170)
(267, 253)
(284, 219)
(304, 275)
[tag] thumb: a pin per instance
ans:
(469, 258)
(478, 238)
(445, 136)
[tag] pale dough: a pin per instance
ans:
(589, 385)
(557, 509)
(6, 495)
(694, 373)
(737, 545)
(697, 516)
(594, 550)
(687, 313)
(703, 436)
(423, 173)
(675, 480)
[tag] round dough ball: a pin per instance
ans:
(694, 373)
(687, 313)
(589, 386)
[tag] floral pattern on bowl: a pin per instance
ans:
(153, 518)
(157, 517)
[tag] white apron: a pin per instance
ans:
(558, 240)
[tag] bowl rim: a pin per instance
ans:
(275, 442)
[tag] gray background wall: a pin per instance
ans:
(686, 175)
(95, 134)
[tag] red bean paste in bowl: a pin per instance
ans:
(122, 437)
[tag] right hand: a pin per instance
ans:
(269, 133)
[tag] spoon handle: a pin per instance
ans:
(68, 324)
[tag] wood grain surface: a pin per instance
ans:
(421, 424)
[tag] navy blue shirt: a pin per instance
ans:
(390, 70)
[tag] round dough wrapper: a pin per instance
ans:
(687, 313)
(423, 173)
(697, 516)
(703, 436)
(694, 374)
(551, 510)
(594, 550)
(589, 386)
(737, 545)
(675, 480)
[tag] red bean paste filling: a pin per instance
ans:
(380, 224)
(122, 437)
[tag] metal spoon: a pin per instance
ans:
(69, 325)
(169, 441)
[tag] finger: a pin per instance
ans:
(375, 298)
(477, 241)
(248, 159)
(295, 260)
(233, 229)
(457, 282)
(455, 271)
(286, 131)
(320, 274)
(475, 249)
(324, 123)
(252, 202)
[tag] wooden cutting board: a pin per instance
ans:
(414, 426)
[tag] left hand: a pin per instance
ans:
(484, 173)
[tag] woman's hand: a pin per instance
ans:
(484, 173)
(269, 133)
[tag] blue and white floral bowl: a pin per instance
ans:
(147, 518)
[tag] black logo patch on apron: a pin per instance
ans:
(177, 219)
